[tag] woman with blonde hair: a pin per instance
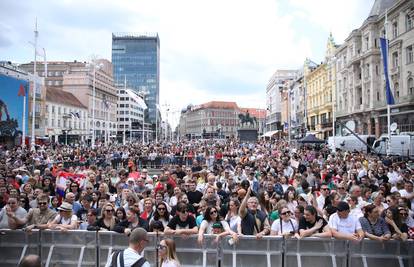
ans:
(108, 220)
(168, 256)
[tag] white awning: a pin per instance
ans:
(270, 133)
(137, 98)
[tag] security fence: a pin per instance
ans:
(84, 248)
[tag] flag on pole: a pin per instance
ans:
(72, 114)
(384, 52)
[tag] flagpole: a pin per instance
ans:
(388, 103)
(36, 33)
(123, 140)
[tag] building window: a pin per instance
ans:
(378, 96)
(408, 22)
(409, 52)
(367, 43)
(395, 59)
(410, 86)
(397, 90)
(394, 29)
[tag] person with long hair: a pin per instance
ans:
(399, 230)
(108, 220)
(162, 215)
(312, 225)
(120, 214)
(232, 216)
(167, 253)
(211, 217)
(290, 197)
(373, 225)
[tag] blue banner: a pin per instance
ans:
(12, 92)
(384, 52)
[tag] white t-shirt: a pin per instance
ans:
(286, 226)
(321, 201)
(130, 257)
(234, 221)
(349, 225)
(170, 263)
(404, 193)
(61, 220)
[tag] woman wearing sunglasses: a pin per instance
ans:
(167, 254)
(211, 217)
(108, 220)
(162, 215)
(285, 225)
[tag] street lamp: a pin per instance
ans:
(95, 66)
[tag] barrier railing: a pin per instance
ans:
(84, 248)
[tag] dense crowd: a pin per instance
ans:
(223, 188)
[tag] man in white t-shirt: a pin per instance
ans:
(344, 226)
(408, 192)
(132, 255)
(324, 193)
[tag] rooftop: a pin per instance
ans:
(61, 97)
(218, 105)
(255, 112)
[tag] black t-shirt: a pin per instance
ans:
(303, 224)
(196, 169)
(176, 223)
(194, 197)
(180, 174)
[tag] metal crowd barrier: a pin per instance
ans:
(85, 248)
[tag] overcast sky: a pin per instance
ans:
(210, 50)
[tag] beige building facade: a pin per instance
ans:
(360, 85)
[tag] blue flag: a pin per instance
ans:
(384, 52)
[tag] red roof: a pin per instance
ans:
(218, 105)
(255, 112)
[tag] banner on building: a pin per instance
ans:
(12, 93)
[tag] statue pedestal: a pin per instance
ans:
(247, 134)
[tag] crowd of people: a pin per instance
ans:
(224, 188)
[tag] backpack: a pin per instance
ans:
(120, 253)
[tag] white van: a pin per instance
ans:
(351, 143)
(401, 145)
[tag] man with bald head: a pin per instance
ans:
(30, 261)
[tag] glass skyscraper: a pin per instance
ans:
(136, 57)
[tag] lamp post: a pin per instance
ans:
(95, 67)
